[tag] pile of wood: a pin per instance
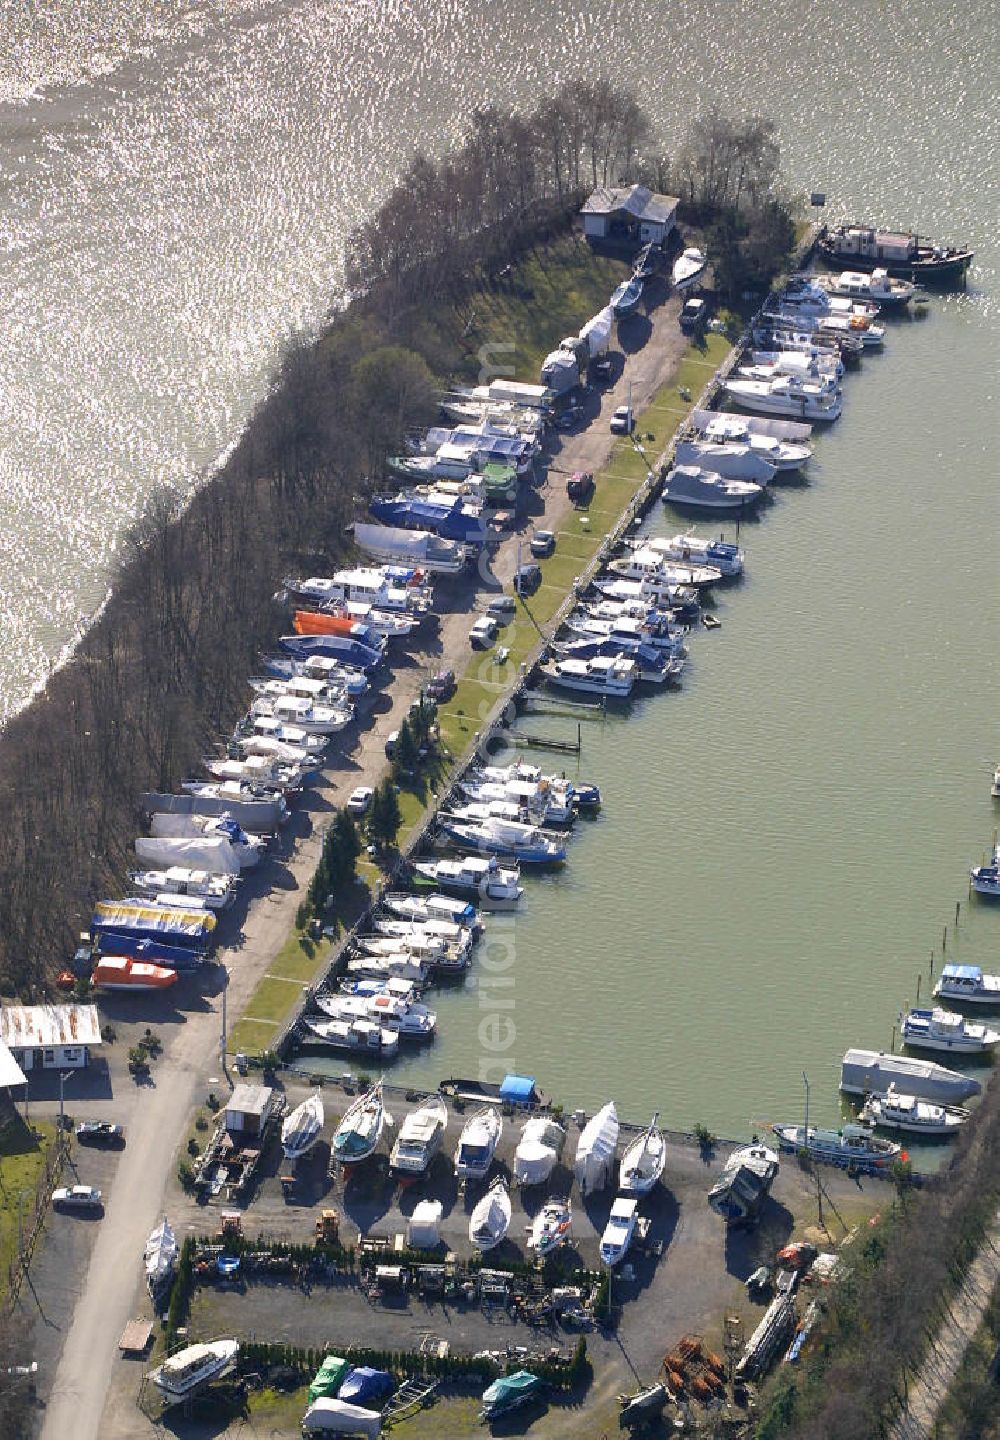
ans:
(694, 1371)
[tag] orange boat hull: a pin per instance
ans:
(310, 622)
(115, 972)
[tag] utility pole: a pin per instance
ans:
(222, 1033)
(67, 1075)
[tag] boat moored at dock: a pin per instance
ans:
(946, 1030)
(689, 485)
(968, 984)
(852, 1145)
(786, 395)
(893, 1111)
(900, 253)
(872, 1072)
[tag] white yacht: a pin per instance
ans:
(704, 490)
(477, 1143)
(192, 1367)
(258, 771)
(213, 891)
(786, 395)
(643, 562)
(410, 1018)
(907, 1112)
(878, 287)
(552, 1227)
(807, 296)
(824, 379)
(945, 1030)
(813, 359)
(969, 984)
(688, 268)
(643, 1161)
(301, 711)
(363, 1037)
(783, 454)
(490, 1220)
(727, 558)
(430, 907)
(611, 676)
(734, 459)
(494, 886)
(619, 1231)
(420, 1138)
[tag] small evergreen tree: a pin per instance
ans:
(384, 817)
(406, 757)
(349, 842)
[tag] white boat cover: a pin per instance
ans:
(736, 462)
(160, 1253)
(424, 1222)
(595, 1152)
(418, 546)
(560, 371)
(518, 393)
(597, 332)
(338, 1417)
(205, 852)
(538, 1150)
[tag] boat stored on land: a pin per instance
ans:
(595, 1151)
(302, 1127)
(359, 1132)
(643, 1161)
(122, 972)
(192, 1367)
(551, 1227)
(689, 267)
(851, 1145)
(894, 1111)
(214, 892)
(510, 1392)
(160, 1256)
(865, 1072)
(619, 1231)
(946, 1030)
(478, 1143)
(146, 920)
(490, 1220)
(186, 840)
(739, 1193)
(538, 1150)
(258, 812)
(626, 296)
(420, 1138)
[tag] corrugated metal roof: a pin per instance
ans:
(250, 1099)
(635, 200)
(41, 1027)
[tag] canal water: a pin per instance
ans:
(784, 839)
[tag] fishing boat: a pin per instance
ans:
(359, 1132)
(214, 892)
(894, 1111)
(705, 490)
(507, 838)
(730, 458)
(689, 267)
(626, 296)
(494, 886)
(969, 984)
(302, 1127)
(645, 561)
(739, 1193)
(782, 454)
(946, 1030)
(612, 677)
(900, 253)
(478, 1143)
(727, 558)
(595, 1151)
(192, 1367)
(411, 1019)
(852, 1145)
(872, 1072)
(786, 395)
(877, 286)
(490, 1220)
(420, 1138)
(551, 1227)
(160, 1257)
(121, 972)
(363, 1037)
(643, 1161)
(619, 1231)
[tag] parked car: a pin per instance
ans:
(580, 486)
(566, 419)
(100, 1132)
(502, 608)
(527, 578)
(442, 685)
(390, 744)
(623, 421)
(77, 1197)
(483, 633)
(694, 315)
(543, 542)
(359, 800)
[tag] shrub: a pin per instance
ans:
(185, 1174)
(303, 915)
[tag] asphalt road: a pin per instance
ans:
(159, 1114)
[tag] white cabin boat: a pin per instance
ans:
(878, 287)
(646, 562)
(786, 395)
(299, 710)
(705, 490)
(733, 459)
(551, 1227)
(398, 966)
(303, 1127)
(420, 1137)
(257, 771)
(362, 1037)
(477, 1143)
(192, 1367)
(643, 1161)
(688, 268)
(946, 1030)
(538, 1150)
(782, 454)
(619, 1231)
(160, 1256)
(213, 892)
(969, 984)
(727, 558)
(411, 1019)
(894, 1111)
(431, 907)
(490, 1220)
(494, 886)
(611, 676)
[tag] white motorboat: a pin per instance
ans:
(494, 886)
(852, 1146)
(267, 727)
(786, 395)
(878, 287)
(812, 360)
(643, 561)
(906, 1112)
(643, 1161)
(413, 1020)
(490, 1220)
(359, 1132)
(370, 585)
(688, 268)
(538, 802)
(995, 787)
(426, 948)
(477, 1143)
(302, 1128)
(595, 1151)
(420, 1137)
(985, 879)
(457, 939)
(508, 838)
(192, 1367)
(160, 1256)
(551, 1227)
(260, 772)
(806, 296)
(363, 1037)
(431, 907)
(274, 747)
(850, 328)
(645, 592)
(704, 490)
(212, 891)
(968, 984)
(619, 1231)
(611, 676)
(946, 1030)
(735, 460)
(823, 379)
(321, 691)
(300, 711)
(783, 454)
(727, 558)
(653, 629)
(739, 1193)
(387, 967)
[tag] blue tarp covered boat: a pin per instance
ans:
(176, 957)
(336, 647)
(455, 522)
(363, 1383)
(191, 928)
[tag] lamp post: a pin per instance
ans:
(67, 1075)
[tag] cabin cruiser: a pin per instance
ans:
(302, 1128)
(213, 892)
(335, 673)
(872, 1072)
(253, 743)
(805, 295)
(986, 878)
(894, 1111)
(653, 666)
(370, 585)
(213, 841)
(849, 330)
(303, 743)
(418, 936)
(876, 286)
(646, 563)
(301, 711)
(739, 1193)
(703, 489)
(584, 794)
(786, 332)
(643, 1161)
(431, 907)
(259, 771)
(688, 268)
(412, 1020)
(619, 1231)
(552, 1227)
(478, 1143)
(826, 380)
(611, 676)
(389, 624)
(946, 1030)
(810, 360)
(359, 1132)
(851, 1145)
(734, 459)
(358, 1036)
(539, 802)
(968, 984)
(506, 838)
(727, 558)
(493, 885)
(420, 1137)
(782, 454)
(659, 633)
(387, 967)
(679, 598)
(786, 395)
(192, 1367)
